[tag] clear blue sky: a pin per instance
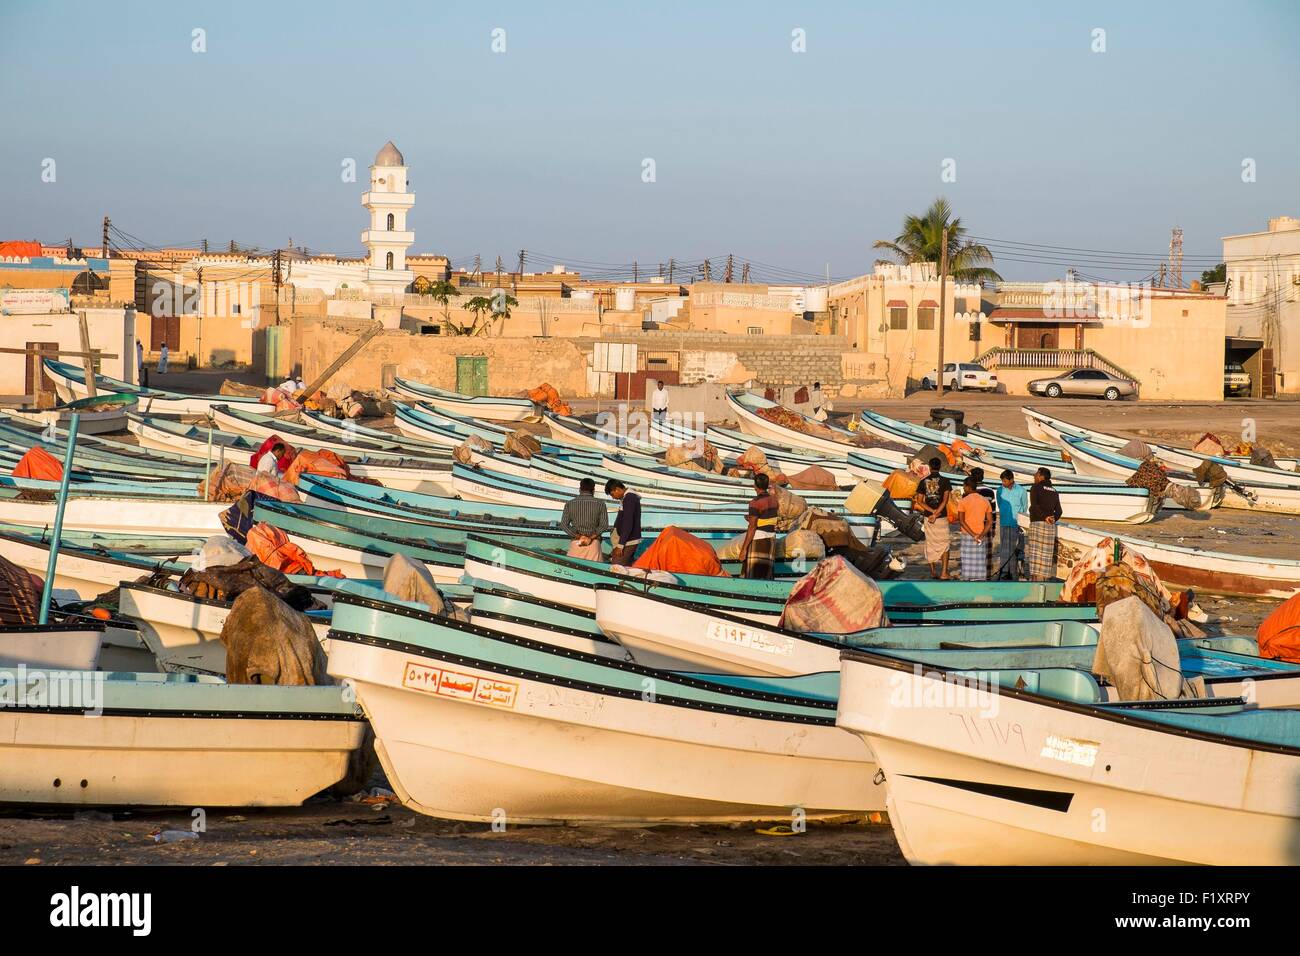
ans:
(792, 159)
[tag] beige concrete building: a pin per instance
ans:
(1263, 290)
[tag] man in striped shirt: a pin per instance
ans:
(758, 550)
(585, 521)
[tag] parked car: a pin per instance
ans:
(1236, 380)
(1084, 382)
(963, 375)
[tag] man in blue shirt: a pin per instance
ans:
(626, 535)
(1012, 500)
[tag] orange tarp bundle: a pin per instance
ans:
(1279, 634)
(545, 394)
(274, 549)
(323, 462)
(40, 464)
(679, 551)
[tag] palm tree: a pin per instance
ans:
(922, 241)
(441, 292)
(496, 306)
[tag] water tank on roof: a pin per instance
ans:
(581, 294)
(624, 300)
(815, 299)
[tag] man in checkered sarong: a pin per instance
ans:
(1040, 542)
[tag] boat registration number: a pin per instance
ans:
(1082, 753)
(748, 638)
(448, 683)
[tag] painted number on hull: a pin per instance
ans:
(1082, 753)
(445, 683)
(748, 638)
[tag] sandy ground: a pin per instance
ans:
(327, 831)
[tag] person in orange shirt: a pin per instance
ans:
(975, 517)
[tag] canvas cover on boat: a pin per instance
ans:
(227, 582)
(231, 480)
(39, 464)
(789, 507)
(323, 462)
(1135, 448)
(679, 551)
(466, 450)
(1259, 455)
(786, 418)
(268, 642)
(834, 598)
(1209, 444)
(803, 545)
(1138, 654)
(813, 478)
(273, 547)
(1210, 473)
(1081, 584)
(1279, 633)
(220, 550)
(522, 444)
(1149, 475)
(698, 452)
(409, 580)
(752, 458)
(20, 595)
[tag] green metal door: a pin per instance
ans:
(472, 374)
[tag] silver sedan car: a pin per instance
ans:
(1084, 382)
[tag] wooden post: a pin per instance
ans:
(943, 307)
(342, 360)
(88, 363)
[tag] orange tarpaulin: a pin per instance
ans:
(545, 394)
(679, 551)
(40, 464)
(274, 549)
(1279, 634)
(323, 462)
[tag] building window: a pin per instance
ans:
(898, 318)
(389, 260)
(390, 222)
(755, 330)
(924, 319)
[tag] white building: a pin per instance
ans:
(387, 239)
(1263, 272)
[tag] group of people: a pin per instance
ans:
(585, 520)
(163, 356)
(974, 514)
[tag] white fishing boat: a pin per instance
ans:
(1240, 470)
(606, 741)
(1097, 460)
(170, 740)
(182, 631)
(1040, 774)
(496, 408)
(161, 516)
(51, 646)
(387, 468)
(70, 386)
(1188, 567)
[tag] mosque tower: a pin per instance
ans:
(387, 239)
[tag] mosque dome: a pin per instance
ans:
(390, 155)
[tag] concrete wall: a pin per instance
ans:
(111, 330)
(514, 365)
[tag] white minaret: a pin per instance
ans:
(387, 239)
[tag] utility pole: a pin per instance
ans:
(205, 247)
(943, 306)
(744, 274)
(671, 264)
(103, 249)
(1176, 257)
(729, 274)
(635, 272)
(200, 347)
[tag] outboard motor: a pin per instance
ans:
(907, 522)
